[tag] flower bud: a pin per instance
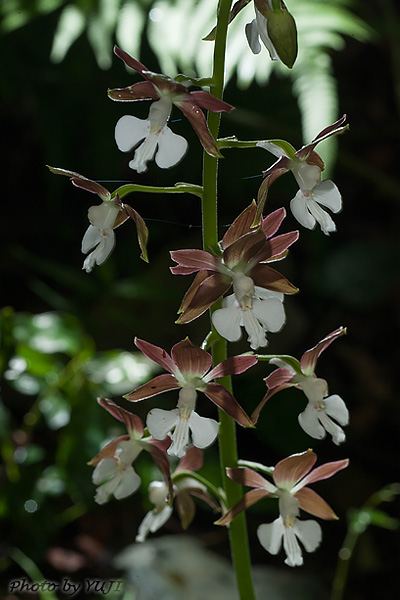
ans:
(283, 34)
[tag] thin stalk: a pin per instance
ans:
(227, 432)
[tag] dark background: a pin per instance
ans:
(60, 115)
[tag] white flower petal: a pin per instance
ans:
(298, 206)
(307, 176)
(252, 36)
(104, 491)
(160, 422)
(171, 148)
(180, 438)
(144, 153)
(91, 238)
(271, 147)
(271, 313)
(129, 131)
(153, 521)
(263, 33)
(264, 294)
(336, 408)
(337, 433)
(103, 215)
(256, 333)
(321, 216)
(309, 533)
(270, 535)
(309, 421)
(227, 322)
(105, 469)
(204, 431)
(327, 194)
(127, 451)
(128, 484)
(292, 547)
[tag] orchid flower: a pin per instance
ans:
(258, 289)
(273, 24)
(322, 413)
(184, 488)
(306, 166)
(159, 140)
(290, 478)
(104, 218)
(114, 473)
(189, 372)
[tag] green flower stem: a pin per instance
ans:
(227, 432)
(233, 142)
(178, 188)
(218, 493)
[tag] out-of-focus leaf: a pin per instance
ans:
(51, 482)
(55, 409)
(29, 455)
(117, 372)
(49, 332)
(70, 26)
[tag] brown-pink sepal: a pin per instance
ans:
(156, 354)
(190, 359)
(250, 478)
(271, 223)
(244, 249)
(250, 498)
(161, 459)
(290, 470)
(143, 90)
(334, 129)
(196, 118)
(285, 376)
(132, 422)
(141, 230)
(309, 358)
(185, 507)
(83, 182)
(232, 366)
(158, 385)
(312, 503)
(240, 226)
(224, 399)
(325, 471)
(196, 260)
(130, 62)
(202, 296)
(270, 279)
(276, 247)
(192, 461)
(209, 102)
(109, 450)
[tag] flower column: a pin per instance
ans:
(227, 433)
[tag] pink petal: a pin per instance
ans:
(245, 248)
(231, 366)
(312, 503)
(132, 422)
(109, 450)
(156, 354)
(209, 102)
(162, 462)
(290, 470)
(162, 383)
(276, 246)
(271, 392)
(224, 399)
(250, 478)
(325, 471)
(196, 259)
(309, 358)
(270, 279)
(83, 182)
(191, 359)
(208, 291)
